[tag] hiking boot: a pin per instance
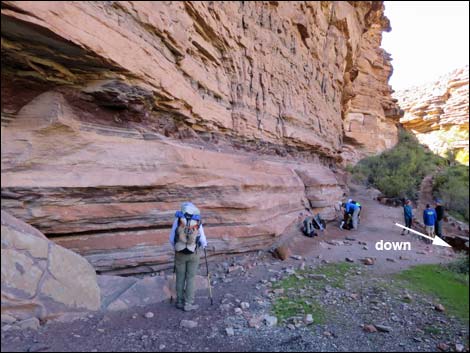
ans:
(190, 307)
(180, 306)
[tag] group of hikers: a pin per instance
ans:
(351, 214)
(187, 236)
(433, 218)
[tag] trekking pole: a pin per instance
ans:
(208, 278)
(174, 279)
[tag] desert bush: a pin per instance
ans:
(451, 185)
(399, 171)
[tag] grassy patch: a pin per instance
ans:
(336, 273)
(449, 287)
(431, 330)
(300, 289)
(461, 265)
(285, 308)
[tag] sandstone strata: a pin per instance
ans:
(113, 113)
(437, 113)
(111, 195)
(41, 279)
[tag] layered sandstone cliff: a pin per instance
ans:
(437, 113)
(113, 113)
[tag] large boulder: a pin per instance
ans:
(41, 279)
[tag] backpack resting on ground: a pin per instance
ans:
(311, 223)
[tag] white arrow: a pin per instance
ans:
(435, 241)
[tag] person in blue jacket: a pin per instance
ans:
(408, 213)
(429, 219)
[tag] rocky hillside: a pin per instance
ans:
(437, 113)
(113, 113)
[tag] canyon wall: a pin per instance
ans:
(113, 113)
(437, 113)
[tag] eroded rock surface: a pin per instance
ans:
(113, 113)
(437, 113)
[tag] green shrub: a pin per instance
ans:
(399, 171)
(451, 185)
(461, 265)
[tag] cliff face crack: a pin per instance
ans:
(108, 231)
(53, 58)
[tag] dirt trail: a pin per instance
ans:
(130, 331)
(425, 194)
(377, 223)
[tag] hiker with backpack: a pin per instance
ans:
(360, 210)
(353, 210)
(346, 223)
(187, 235)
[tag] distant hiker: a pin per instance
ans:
(353, 209)
(187, 235)
(439, 217)
(408, 213)
(360, 210)
(429, 219)
(347, 218)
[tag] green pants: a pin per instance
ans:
(186, 269)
